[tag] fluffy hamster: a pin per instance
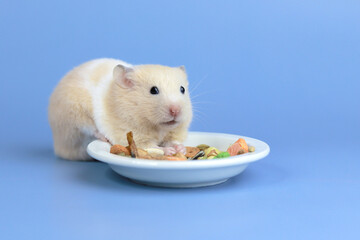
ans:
(106, 98)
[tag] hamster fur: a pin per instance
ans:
(106, 98)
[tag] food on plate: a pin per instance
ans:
(223, 155)
(132, 145)
(239, 147)
(243, 144)
(176, 157)
(198, 155)
(191, 152)
(202, 147)
(211, 152)
(120, 150)
(200, 152)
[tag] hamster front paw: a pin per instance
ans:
(173, 149)
(180, 148)
(169, 151)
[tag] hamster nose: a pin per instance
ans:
(174, 110)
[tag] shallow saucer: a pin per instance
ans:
(183, 174)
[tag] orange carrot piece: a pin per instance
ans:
(116, 149)
(234, 149)
(243, 144)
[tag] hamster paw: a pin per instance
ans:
(173, 148)
(169, 151)
(180, 148)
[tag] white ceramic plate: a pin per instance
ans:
(196, 173)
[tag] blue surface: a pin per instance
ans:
(292, 68)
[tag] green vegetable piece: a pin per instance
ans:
(223, 155)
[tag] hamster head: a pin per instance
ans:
(156, 93)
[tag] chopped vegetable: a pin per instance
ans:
(200, 152)
(119, 149)
(199, 155)
(223, 155)
(251, 149)
(211, 152)
(235, 149)
(243, 144)
(202, 147)
(191, 151)
(133, 148)
(176, 157)
(155, 153)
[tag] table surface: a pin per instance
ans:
(279, 196)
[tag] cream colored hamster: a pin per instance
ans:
(106, 98)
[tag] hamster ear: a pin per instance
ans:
(121, 76)
(183, 68)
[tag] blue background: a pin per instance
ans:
(285, 72)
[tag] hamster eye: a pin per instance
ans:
(182, 89)
(154, 90)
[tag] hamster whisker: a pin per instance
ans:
(203, 93)
(198, 112)
(201, 120)
(202, 103)
(198, 84)
(205, 103)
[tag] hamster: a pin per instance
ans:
(106, 98)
